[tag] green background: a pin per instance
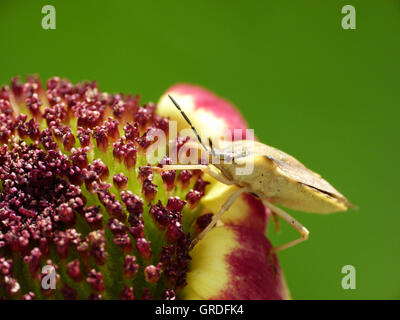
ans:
(326, 95)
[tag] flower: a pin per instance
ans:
(83, 215)
(78, 197)
(233, 260)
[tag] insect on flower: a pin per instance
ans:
(82, 216)
(276, 178)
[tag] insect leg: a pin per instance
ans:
(210, 170)
(217, 175)
(225, 207)
(168, 167)
(276, 222)
(293, 222)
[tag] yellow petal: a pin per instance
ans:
(233, 262)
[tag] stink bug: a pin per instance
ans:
(276, 177)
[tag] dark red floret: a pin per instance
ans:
(160, 214)
(149, 190)
(168, 295)
(131, 131)
(184, 178)
(120, 180)
(73, 270)
(127, 293)
(69, 293)
(169, 179)
(193, 198)
(146, 295)
(95, 279)
(130, 266)
(133, 204)
(143, 246)
(153, 273)
(203, 221)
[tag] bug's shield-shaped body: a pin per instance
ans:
(281, 178)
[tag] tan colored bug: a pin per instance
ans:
(276, 177)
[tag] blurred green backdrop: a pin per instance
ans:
(326, 95)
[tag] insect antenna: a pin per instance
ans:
(190, 124)
(212, 147)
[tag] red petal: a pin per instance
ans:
(234, 262)
(203, 101)
(255, 274)
(221, 108)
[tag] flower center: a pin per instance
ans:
(77, 195)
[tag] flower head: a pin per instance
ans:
(80, 204)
